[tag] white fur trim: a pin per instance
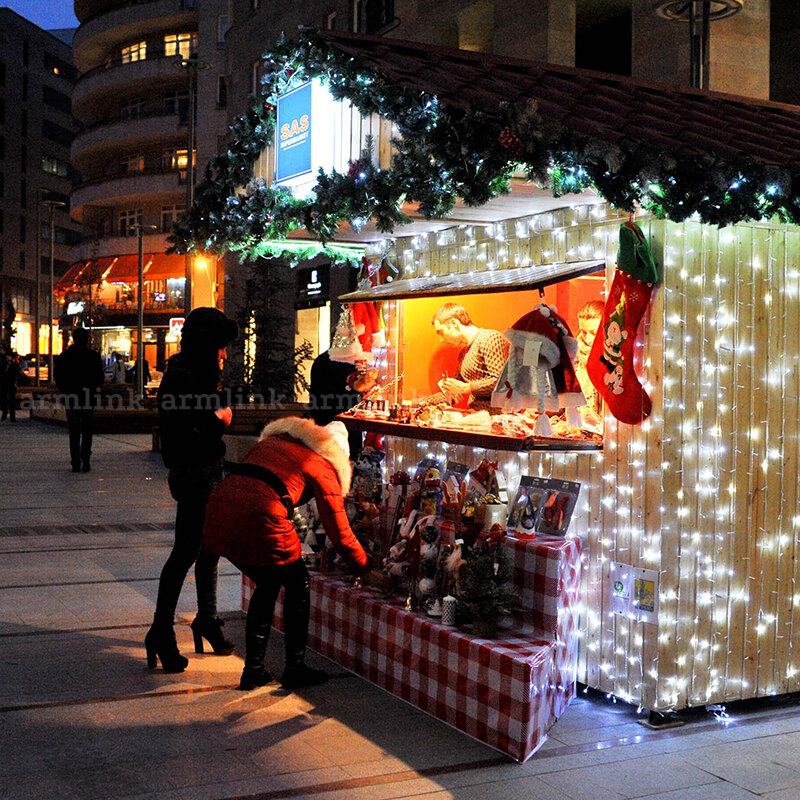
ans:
(548, 351)
(316, 438)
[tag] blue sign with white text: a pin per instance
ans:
(294, 134)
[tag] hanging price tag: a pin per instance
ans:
(530, 356)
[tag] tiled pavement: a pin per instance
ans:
(82, 717)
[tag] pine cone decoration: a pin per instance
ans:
(511, 142)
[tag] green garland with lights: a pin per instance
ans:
(444, 153)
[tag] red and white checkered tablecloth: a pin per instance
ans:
(506, 692)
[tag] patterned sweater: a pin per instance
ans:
(480, 364)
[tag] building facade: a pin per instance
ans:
(36, 129)
(138, 64)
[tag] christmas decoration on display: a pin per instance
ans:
(345, 345)
(539, 372)
(443, 153)
(610, 362)
(486, 594)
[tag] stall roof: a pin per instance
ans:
(615, 109)
(501, 280)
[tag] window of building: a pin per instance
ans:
(256, 76)
(330, 21)
(2, 147)
(132, 109)
(23, 193)
(133, 162)
(2, 73)
(173, 158)
(57, 100)
(180, 44)
(134, 52)
(129, 219)
(55, 166)
(2, 183)
(2, 221)
(23, 122)
(23, 230)
(2, 109)
(223, 24)
(169, 215)
(25, 52)
(23, 157)
(255, 5)
(222, 91)
(60, 235)
(22, 269)
(55, 133)
(177, 103)
(24, 86)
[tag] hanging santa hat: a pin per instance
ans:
(365, 317)
(539, 373)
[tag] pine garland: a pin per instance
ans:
(444, 153)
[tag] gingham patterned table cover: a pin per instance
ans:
(506, 692)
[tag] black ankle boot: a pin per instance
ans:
(253, 677)
(298, 675)
(210, 628)
(160, 642)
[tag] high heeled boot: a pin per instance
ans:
(254, 673)
(210, 628)
(160, 642)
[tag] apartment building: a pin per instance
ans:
(139, 64)
(36, 129)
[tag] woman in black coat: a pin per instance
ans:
(192, 417)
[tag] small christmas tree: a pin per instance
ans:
(486, 593)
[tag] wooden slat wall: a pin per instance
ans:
(706, 490)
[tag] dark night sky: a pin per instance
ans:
(46, 14)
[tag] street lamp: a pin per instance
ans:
(140, 230)
(191, 64)
(52, 205)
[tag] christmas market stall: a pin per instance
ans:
(606, 493)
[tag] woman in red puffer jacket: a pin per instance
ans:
(249, 521)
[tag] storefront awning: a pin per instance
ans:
(501, 280)
(122, 269)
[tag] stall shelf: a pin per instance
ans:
(506, 692)
(487, 441)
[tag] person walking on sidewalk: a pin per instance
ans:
(79, 376)
(249, 521)
(9, 375)
(192, 417)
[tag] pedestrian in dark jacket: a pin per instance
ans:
(10, 371)
(249, 521)
(192, 417)
(79, 376)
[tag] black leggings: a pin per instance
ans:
(191, 488)
(293, 578)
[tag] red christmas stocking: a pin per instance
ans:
(610, 362)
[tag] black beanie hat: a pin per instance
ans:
(208, 327)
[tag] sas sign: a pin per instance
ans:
(294, 134)
(176, 326)
(304, 136)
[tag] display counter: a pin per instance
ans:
(488, 441)
(506, 692)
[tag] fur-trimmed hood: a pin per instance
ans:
(316, 438)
